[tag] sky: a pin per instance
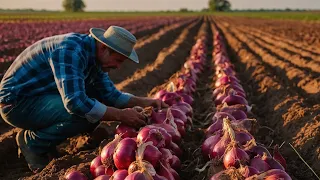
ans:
(146, 5)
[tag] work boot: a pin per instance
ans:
(36, 162)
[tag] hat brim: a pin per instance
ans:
(97, 33)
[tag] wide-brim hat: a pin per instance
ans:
(118, 39)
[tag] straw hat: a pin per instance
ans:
(118, 39)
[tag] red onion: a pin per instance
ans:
(153, 134)
(186, 98)
(103, 177)
(138, 176)
(219, 149)
(119, 175)
(235, 157)
(184, 107)
(273, 174)
(175, 149)
(75, 175)
(217, 122)
(150, 153)
(175, 163)
(248, 171)
(259, 150)
(177, 113)
(259, 164)
(181, 126)
(171, 98)
(158, 177)
(234, 99)
(99, 171)
(208, 144)
(237, 114)
(96, 162)
(108, 151)
(242, 137)
(126, 131)
(124, 154)
(165, 172)
(277, 156)
(176, 136)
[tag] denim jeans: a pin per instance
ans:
(46, 121)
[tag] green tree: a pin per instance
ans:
(73, 5)
(219, 5)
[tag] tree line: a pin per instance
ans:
(214, 5)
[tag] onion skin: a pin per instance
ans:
(125, 153)
(248, 171)
(259, 150)
(96, 162)
(75, 175)
(119, 175)
(103, 177)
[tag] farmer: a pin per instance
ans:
(58, 88)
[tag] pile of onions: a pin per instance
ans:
(153, 152)
(228, 138)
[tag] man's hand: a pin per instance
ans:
(127, 116)
(132, 118)
(156, 103)
(145, 102)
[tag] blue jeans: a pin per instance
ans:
(46, 121)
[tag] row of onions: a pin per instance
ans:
(153, 151)
(229, 142)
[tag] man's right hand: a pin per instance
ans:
(127, 116)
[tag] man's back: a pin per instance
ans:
(31, 73)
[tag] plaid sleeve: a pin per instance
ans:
(68, 65)
(108, 92)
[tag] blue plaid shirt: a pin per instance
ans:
(63, 64)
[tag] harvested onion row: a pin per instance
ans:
(153, 151)
(229, 138)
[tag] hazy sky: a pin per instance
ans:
(95, 5)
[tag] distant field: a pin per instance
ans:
(307, 16)
(52, 16)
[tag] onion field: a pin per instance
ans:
(244, 97)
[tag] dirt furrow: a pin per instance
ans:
(306, 51)
(297, 32)
(147, 53)
(296, 79)
(278, 107)
(156, 72)
(304, 63)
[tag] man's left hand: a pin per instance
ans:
(156, 103)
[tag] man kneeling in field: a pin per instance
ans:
(58, 88)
